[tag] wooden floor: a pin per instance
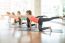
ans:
(13, 35)
(10, 36)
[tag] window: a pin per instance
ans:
(15, 5)
(51, 8)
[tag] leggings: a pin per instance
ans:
(41, 20)
(18, 21)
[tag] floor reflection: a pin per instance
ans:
(16, 35)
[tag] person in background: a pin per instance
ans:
(7, 15)
(13, 19)
(6, 19)
(19, 17)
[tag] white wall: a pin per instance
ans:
(15, 5)
(4, 6)
(22, 5)
(51, 7)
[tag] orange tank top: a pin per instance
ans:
(16, 18)
(34, 19)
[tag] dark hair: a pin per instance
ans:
(19, 12)
(13, 13)
(29, 11)
(8, 12)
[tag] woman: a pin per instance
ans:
(19, 17)
(38, 20)
(13, 18)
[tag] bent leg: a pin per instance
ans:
(41, 20)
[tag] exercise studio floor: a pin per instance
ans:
(13, 34)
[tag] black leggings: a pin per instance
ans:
(18, 21)
(41, 20)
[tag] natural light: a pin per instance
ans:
(51, 8)
(16, 5)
